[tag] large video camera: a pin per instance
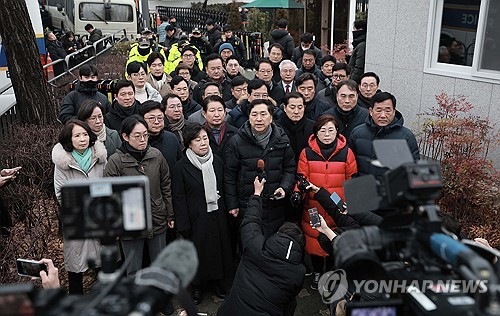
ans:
(410, 265)
(107, 209)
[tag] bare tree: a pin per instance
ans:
(26, 72)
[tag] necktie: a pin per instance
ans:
(287, 89)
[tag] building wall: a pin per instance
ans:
(396, 44)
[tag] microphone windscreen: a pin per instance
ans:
(179, 257)
(260, 164)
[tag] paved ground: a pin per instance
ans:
(309, 302)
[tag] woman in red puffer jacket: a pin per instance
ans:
(327, 162)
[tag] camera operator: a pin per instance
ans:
(271, 272)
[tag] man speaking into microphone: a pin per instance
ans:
(259, 139)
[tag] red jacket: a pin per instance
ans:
(329, 173)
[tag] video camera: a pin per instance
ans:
(106, 209)
(408, 262)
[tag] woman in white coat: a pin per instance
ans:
(77, 156)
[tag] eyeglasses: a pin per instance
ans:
(340, 77)
(140, 136)
(325, 131)
(95, 118)
(188, 55)
(153, 119)
(139, 74)
(371, 85)
(174, 106)
(328, 65)
(260, 95)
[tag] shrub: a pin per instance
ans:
(35, 232)
(258, 21)
(30, 198)
(460, 141)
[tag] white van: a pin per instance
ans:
(110, 16)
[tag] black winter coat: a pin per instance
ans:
(189, 107)
(298, 52)
(298, 133)
(208, 231)
(242, 154)
(94, 37)
(277, 93)
(270, 273)
(302, 70)
(316, 108)
(364, 102)
(168, 144)
(56, 51)
(349, 120)
(323, 82)
(214, 35)
(73, 100)
(357, 60)
(239, 114)
(283, 38)
(328, 95)
(219, 149)
(361, 142)
(116, 115)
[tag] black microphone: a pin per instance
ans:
(261, 173)
(173, 269)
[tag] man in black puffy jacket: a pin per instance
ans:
(384, 122)
(86, 89)
(259, 138)
(271, 272)
(282, 37)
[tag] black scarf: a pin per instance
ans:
(123, 112)
(87, 87)
(136, 154)
(296, 133)
(327, 150)
(358, 37)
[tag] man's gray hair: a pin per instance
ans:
(287, 61)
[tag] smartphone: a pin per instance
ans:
(314, 216)
(30, 268)
(338, 201)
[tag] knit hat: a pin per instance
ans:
(226, 46)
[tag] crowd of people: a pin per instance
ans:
(222, 152)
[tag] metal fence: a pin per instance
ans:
(188, 18)
(9, 114)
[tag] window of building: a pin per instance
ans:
(464, 39)
(110, 13)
